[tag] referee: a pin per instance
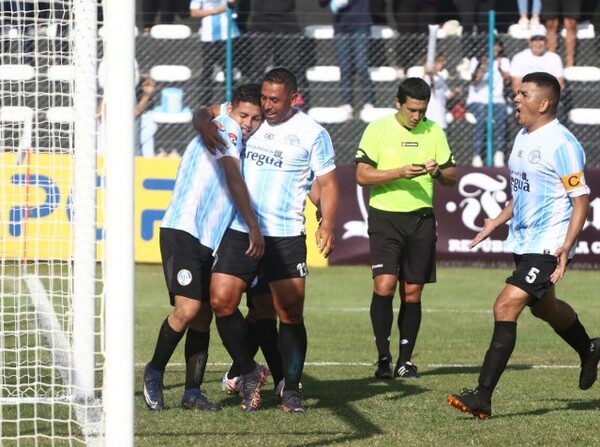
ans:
(399, 158)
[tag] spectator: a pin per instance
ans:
(214, 28)
(167, 8)
(478, 99)
(414, 16)
(570, 10)
(440, 92)
(352, 28)
(276, 40)
(536, 9)
(145, 126)
(474, 14)
(536, 58)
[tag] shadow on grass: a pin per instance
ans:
(343, 398)
(442, 370)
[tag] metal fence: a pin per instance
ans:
(180, 63)
(312, 57)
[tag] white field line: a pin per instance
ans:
(371, 364)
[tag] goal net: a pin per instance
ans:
(51, 240)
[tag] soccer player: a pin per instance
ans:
(399, 157)
(207, 190)
(281, 159)
(262, 324)
(547, 211)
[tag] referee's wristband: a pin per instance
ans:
(437, 174)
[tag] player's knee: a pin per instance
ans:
(183, 314)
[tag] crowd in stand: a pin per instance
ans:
(351, 20)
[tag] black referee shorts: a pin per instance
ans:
(403, 244)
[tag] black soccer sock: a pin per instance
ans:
(165, 346)
(196, 356)
(409, 322)
(382, 318)
(254, 336)
(497, 355)
(268, 339)
(292, 345)
(233, 330)
(577, 338)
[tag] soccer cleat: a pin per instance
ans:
(406, 370)
(194, 399)
(384, 369)
(589, 367)
(470, 401)
(153, 389)
(252, 384)
(291, 402)
(281, 386)
(231, 386)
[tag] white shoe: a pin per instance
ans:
(231, 386)
(524, 23)
(499, 159)
(477, 162)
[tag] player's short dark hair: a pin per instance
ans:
(546, 82)
(281, 75)
(415, 88)
(246, 93)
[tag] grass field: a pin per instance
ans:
(537, 402)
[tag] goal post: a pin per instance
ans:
(66, 224)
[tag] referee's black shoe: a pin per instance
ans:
(589, 367)
(384, 369)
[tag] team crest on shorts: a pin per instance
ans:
(184, 277)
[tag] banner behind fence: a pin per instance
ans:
(460, 211)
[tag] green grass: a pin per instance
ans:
(537, 401)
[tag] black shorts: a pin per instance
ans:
(285, 257)
(403, 244)
(186, 264)
(532, 274)
(553, 9)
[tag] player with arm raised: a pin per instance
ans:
(279, 163)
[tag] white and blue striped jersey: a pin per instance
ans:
(279, 164)
(201, 204)
(213, 28)
(546, 169)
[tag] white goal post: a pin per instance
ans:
(66, 223)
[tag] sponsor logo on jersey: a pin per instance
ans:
(292, 139)
(534, 156)
(275, 160)
(573, 181)
(409, 144)
(520, 183)
(269, 136)
(184, 277)
(232, 138)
